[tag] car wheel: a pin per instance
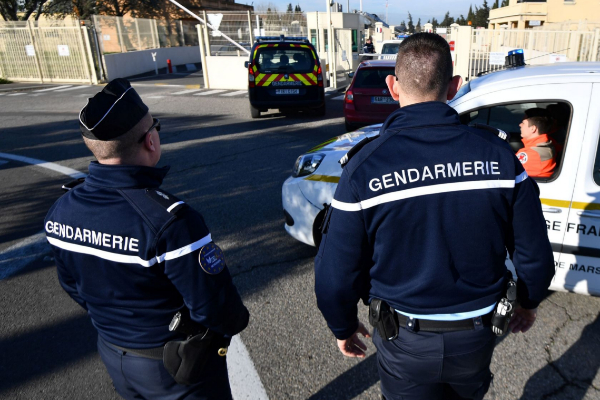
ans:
(349, 127)
(254, 112)
(321, 110)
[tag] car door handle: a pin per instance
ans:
(591, 214)
(551, 210)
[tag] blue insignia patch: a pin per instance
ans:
(211, 259)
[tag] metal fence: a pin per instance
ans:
(245, 27)
(58, 52)
(539, 47)
(123, 34)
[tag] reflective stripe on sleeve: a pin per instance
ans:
(521, 178)
(171, 255)
(422, 191)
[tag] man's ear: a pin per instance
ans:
(455, 84)
(149, 142)
(390, 81)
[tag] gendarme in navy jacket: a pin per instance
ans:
(425, 215)
(127, 252)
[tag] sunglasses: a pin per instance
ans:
(155, 125)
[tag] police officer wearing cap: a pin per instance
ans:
(134, 255)
(420, 226)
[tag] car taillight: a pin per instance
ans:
(250, 77)
(349, 97)
(320, 77)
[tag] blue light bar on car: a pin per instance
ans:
(515, 58)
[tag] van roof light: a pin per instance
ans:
(515, 58)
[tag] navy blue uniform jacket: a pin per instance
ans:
(127, 252)
(423, 217)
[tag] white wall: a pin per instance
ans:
(227, 72)
(121, 65)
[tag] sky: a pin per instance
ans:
(397, 9)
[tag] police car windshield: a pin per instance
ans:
(372, 78)
(275, 60)
(390, 48)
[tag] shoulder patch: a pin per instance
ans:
(498, 132)
(522, 156)
(68, 186)
(171, 203)
(352, 152)
(211, 259)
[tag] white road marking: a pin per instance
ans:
(235, 93)
(244, 380)
(154, 97)
(86, 95)
(17, 94)
(52, 88)
(330, 89)
(73, 88)
(187, 91)
(210, 92)
(338, 97)
(73, 173)
(2, 94)
(37, 94)
(243, 377)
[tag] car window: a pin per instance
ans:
(597, 166)
(284, 60)
(390, 48)
(372, 78)
(508, 117)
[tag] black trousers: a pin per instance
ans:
(136, 377)
(432, 365)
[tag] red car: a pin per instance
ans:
(368, 100)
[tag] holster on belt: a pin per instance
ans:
(186, 360)
(384, 318)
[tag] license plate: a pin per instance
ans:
(287, 91)
(382, 100)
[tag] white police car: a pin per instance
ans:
(570, 197)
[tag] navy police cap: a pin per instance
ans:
(112, 112)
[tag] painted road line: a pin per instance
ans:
(17, 257)
(73, 173)
(86, 95)
(244, 380)
(187, 91)
(52, 88)
(330, 89)
(235, 93)
(210, 92)
(154, 97)
(338, 97)
(17, 94)
(2, 94)
(37, 94)
(73, 88)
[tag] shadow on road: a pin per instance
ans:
(42, 351)
(351, 383)
(577, 367)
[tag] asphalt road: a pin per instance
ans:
(230, 168)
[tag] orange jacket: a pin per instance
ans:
(538, 156)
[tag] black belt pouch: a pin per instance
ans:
(384, 318)
(186, 360)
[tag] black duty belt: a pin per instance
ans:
(155, 353)
(444, 326)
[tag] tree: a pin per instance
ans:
(495, 5)
(418, 28)
(482, 14)
(504, 3)
(298, 9)
(411, 26)
(9, 9)
(471, 15)
(448, 20)
(289, 8)
(461, 20)
(435, 23)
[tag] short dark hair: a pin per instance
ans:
(122, 146)
(424, 64)
(543, 124)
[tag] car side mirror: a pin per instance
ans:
(351, 75)
(246, 63)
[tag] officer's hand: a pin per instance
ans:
(522, 320)
(353, 346)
